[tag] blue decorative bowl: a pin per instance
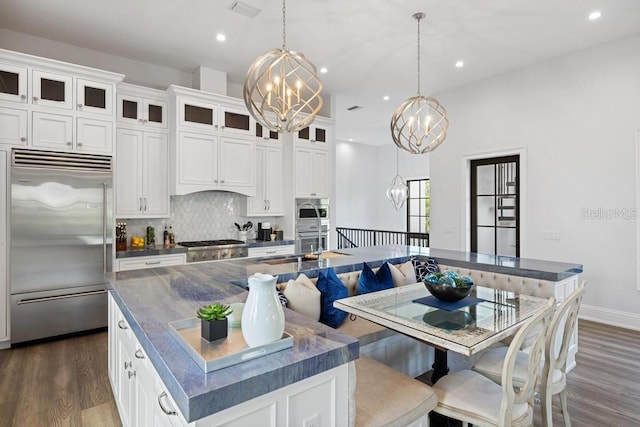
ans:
(448, 293)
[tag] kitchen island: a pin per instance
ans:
(149, 299)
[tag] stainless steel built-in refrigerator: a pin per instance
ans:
(60, 239)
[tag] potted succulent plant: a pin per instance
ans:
(213, 321)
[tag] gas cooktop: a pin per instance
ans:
(204, 243)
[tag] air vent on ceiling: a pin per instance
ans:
(244, 9)
(354, 108)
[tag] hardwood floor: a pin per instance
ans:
(65, 383)
(58, 383)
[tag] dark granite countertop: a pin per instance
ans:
(161, 250)
(150, 299)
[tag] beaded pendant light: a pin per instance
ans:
(282, 89)
(420, 123)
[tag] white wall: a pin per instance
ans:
(363, 174)
(576, 118)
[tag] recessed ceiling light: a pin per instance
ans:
(596, 14)
(386, 97)
(350, 139)
(459, 64)
(221, 37)
(323, 70)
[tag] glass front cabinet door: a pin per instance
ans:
(94, 97)
(52, 90)
(142, 111)
(13, 83)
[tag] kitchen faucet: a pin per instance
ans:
(315, 208)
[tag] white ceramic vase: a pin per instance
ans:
(263, 316)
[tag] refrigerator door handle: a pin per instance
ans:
(104, 227)
(58, 297)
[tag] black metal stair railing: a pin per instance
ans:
(359, 237)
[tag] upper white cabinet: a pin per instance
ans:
(269, 198)
(58, 106)
(264, 135)
(316, 134)
(212, 143)
(140, 106)
(13, 126)
(141, 174)
(311, 178)
(14, 83)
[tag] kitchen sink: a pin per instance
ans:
(306, 257)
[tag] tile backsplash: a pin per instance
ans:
(207, 215)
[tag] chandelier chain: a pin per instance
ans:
(284, 25)
(418, 19)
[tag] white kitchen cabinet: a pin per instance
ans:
(13, 126)
(51, 89)
(141, 106)
(207, 162)
(265, 251)
(142, 186)
(269, 198)
(14, 79)
(311, 177)
(4, 307)
(315, 134)
(212, 144)
(143, 262)
(264, 135)
(94, 97)
(56, 132)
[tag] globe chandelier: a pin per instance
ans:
(419, 125)
(397, 192)
(282, 89)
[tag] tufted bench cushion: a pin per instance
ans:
(521, 285)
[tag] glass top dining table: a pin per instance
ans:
(494, 315)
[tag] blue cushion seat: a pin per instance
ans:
(331, 288)
(372, 282)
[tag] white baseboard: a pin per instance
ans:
(622, 319)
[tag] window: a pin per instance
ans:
(418, 205)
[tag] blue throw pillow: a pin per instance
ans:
(331, 289)
(424, 268)
(372, 282)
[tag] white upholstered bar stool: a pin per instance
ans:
(552, 378)
(471, 397)
(386, 397)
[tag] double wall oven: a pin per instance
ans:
(311, 215)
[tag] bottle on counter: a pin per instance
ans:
(167, 242)
(172, 239)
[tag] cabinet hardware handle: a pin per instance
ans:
(127, 365)
(216, 126)
(222, 181)
(141, 121)
(144, 120)
(265, 205)
(69, 143)
(215, 181)
(268, 205)
(23, 139)
(121, 325)
(313, 194)
(270, 252)
(164, 409)
(139, 203)
(35, 99)
(145, 204)
(79, 106)
(23, 97)
(79, 144)
(131, 374)
(152, 263)
(139, 354)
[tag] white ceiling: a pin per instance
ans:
(369, 46)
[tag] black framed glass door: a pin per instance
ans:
(495, 206)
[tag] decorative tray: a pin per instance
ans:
(214, 355)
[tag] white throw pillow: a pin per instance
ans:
(403, 274)
(303, 296)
